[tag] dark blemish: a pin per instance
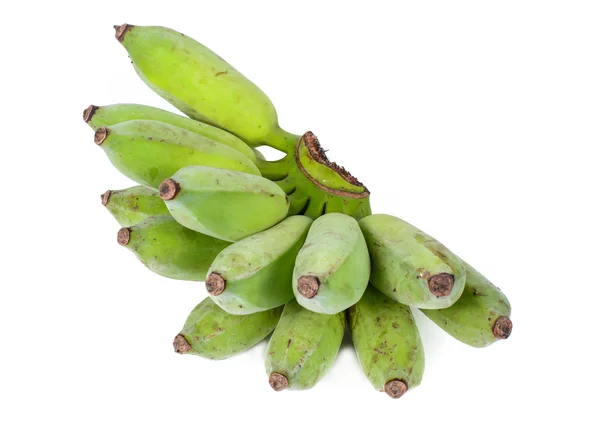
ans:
(149, 138)
(222, 73)
(289, 342)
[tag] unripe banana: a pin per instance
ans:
(225, 204)
(303, 347)
(132, 205)
(108, 115)
(387, 343)
(254, 274)
(480, 317)
(150, 151)
(409, 265)
(169, 249)
(332, 268)
(202, 85)
(212, 333)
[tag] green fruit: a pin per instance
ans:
(225, 204)
(212, 333)
(132, 205)
(169, 249)
(150, 151)
(410, 266)
(303, 347)
(387, 343)
(332, 268)
(254, 274)
(108, 115)
(202, 85)
(480, 317)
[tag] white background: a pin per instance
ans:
(477, 121)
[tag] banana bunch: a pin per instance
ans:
(288, 247)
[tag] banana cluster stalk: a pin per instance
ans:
(288, 247)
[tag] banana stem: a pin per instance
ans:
(276, 170)
(282, 141)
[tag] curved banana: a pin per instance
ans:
(332, 268)
(303, 347)
(202, 85)
(387, 343)
(480, 317)
(169, 249)
(212, 333)
(410, 266)
(132, 205)
(225, 204)
(254, 274)
(108, 115)
(150, 151)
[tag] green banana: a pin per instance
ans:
(212, 333)
(303, 347)
(150, 151)
(132, 205)
(225, 204)
(202, 85)
(410, 266)
(480, 317)
(387, 343)
(332, 268)
(109, 115)
(254, 274)
(169, 249)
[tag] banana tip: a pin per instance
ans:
(308, 286)
(395, 388)
(168, 189)
(441, 284)
(100, 135)
(215, 284)
(105, 197)
(88, 113)
(502, 328)
(181, 345)
(123, 236)
(278, 381)
(120, 31)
